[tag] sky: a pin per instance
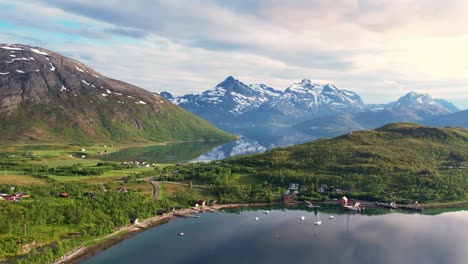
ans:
(379, 49)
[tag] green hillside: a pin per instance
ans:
(107, 122)
(403, 160)
(58, 99)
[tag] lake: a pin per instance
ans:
(252, 140)
(234, 236)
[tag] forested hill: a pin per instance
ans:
(395, 147)
(412, 160)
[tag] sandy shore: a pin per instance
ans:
(83, 252)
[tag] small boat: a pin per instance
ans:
(181, 234)
(256, 218)
(266, 212)
(310, 205)
(319, 222)
(302, 218)
(331, 217)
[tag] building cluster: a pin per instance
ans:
(142, 164)
(15, 198)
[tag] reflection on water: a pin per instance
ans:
(170, 153)
(257, 140)
(281, 237)
(252, 140)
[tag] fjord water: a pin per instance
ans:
(234, 236)
(252, 140)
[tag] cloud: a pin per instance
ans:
(189, 46)
(133, 33)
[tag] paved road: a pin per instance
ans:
(185, 184)
(156, 187)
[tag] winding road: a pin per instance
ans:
(156, 187)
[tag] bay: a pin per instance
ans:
(234, 236)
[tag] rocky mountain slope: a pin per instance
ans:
(48, 97)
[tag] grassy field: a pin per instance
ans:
(13, 178)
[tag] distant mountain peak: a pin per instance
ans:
(167, 95)
(414, 98)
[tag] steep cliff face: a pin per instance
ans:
(46, 96)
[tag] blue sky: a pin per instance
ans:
(377, 48)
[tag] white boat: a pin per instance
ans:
(256, 218)
(302, 218)
(331, 217)
(310, 205)
(181, 234)
(266, 212)
(319, 222)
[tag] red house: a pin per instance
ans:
(288, 199)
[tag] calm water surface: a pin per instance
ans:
(252, 140)
(280, 237)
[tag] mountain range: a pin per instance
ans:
(323, 110)
(45, 96)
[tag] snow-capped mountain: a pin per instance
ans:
(230, 96)
(226, 102)
(422, 105)
(235, 102)
(306, 100)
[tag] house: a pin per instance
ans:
(344, 201)
(293, 187)
(161, 212)
(201, 202)
(64, 195)
(288, 199)
(134, 221)
(323, 188)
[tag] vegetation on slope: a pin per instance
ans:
(407, 161)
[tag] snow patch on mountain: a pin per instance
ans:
(39, 52)
(11, 48)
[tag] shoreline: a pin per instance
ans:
(83, 252)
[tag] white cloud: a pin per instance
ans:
(376, 48)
